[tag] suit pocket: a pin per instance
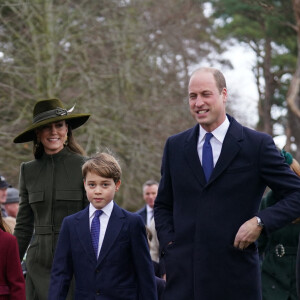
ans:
(67, 203)
(239, 169)
(35, 197)
(4, 290)
(252, 248)
(247, 259)
(69, 195)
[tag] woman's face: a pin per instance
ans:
(53, 136)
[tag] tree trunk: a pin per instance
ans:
(293, 97)
(269, 89)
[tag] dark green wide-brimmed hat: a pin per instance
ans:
(49, 111)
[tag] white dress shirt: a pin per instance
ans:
(104, 218)
(149, 214)
(216, 141)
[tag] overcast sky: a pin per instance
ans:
(241, 85)
(242, 88)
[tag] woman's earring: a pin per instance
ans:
(37, 145)
(66, 141)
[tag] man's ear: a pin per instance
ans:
(224, 95)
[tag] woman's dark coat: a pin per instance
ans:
(279, 254)
(51, 188)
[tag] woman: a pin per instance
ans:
(279, 251)
(51, 187)
(12, 283)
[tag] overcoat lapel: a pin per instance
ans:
(191, 155)
(230, 148)
(84, 234)
(114, 226)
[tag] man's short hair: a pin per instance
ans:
(149, 183)
(218, 75)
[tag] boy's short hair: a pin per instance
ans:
(104, 165)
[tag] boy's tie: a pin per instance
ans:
(207, 156)
(95, 230)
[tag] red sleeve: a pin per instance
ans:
(15, 277)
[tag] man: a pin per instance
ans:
(12, 202)
(207, 227)
(150, 188)
(11, 206)
(3, 194)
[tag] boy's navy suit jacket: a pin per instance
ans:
(123, 269)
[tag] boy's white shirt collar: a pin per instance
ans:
(107, 209)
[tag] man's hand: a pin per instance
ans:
(247, 234)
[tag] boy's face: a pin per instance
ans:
(99, 190)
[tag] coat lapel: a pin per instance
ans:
(114, 226)
(84, 234)
(230, 148)
(191, 154)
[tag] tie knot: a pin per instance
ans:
(98, 213)
(208, 136)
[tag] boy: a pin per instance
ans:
(117, 264)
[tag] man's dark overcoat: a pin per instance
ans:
(202, 218)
